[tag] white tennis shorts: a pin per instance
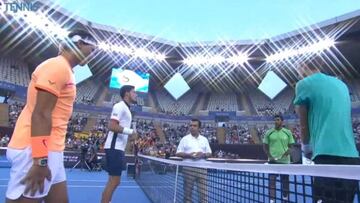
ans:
(21, 162)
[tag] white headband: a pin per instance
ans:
(77, 38)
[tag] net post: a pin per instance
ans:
(176, 179)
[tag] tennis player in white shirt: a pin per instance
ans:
(194, 147)
(117, 138)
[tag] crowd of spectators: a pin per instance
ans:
(15, 109)
(148, 140)
(356, 130)
(4, 140)
(79, 141)
(77, 122)
(238, 134)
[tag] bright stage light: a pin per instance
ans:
(122, 49)
(196, 60)
(239, 59)
(139, 53)
(314, 48)
(42, 23)
(104, 46)
(215, 60)
(160, 57)
(51, 29)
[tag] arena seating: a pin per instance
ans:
(260, 102)
(354, 88)
(283, 101)
(86, 92)
(356, 129)
(168, 104)
(222, 102)
(141, 100)
(264, 106)
(14, 71)
(115, 98)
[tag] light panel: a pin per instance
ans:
(271, 85)
(177, 86)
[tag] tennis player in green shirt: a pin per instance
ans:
(277, 145)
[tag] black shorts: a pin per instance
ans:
(115, 161)
(335, 189)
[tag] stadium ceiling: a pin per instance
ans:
(220, 66)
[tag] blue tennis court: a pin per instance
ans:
(86, 186)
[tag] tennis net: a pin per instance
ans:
(165, 180)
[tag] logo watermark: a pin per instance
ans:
(15, 6)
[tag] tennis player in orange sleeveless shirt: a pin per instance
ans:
(36, 146)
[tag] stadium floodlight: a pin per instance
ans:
(143, 53)
(215, 60)
(62, 33)
(202, 60)
(104, 46)
(122, 49)
(317, 47)
(39, 21)
(239, 59)
(160, 57)
(195, 60)
(139, 53)
(284, 54)
(188, 61)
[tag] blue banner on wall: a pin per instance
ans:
(7, 86)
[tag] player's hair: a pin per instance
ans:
(196, 120)
(279, 116)
(124, 89)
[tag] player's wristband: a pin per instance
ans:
(128, 131)
(39, 146)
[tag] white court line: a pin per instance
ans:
(82, 180)
(99, 181)
(92, 186)
(127, 187)
(99, 186)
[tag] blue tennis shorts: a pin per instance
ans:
(115, 161)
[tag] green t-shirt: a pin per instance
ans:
(278, 141)
(329, 115)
